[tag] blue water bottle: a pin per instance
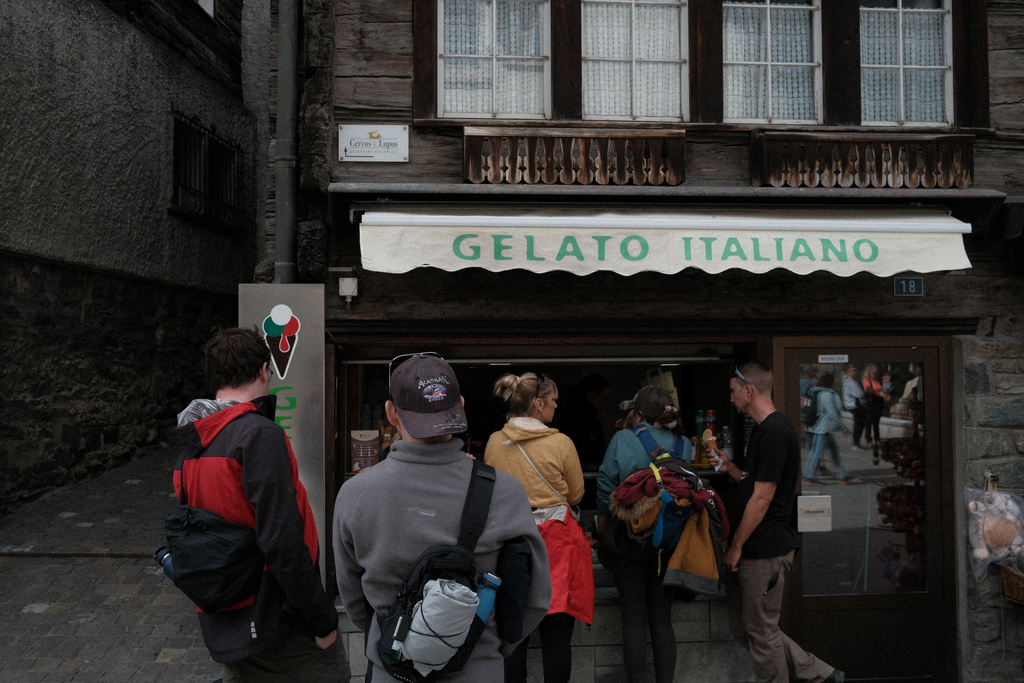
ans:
(486, 593)
(163, 558)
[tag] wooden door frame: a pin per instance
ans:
(947, 460)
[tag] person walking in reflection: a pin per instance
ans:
(853, 400)
(830, 419)
(764, 542)
(544, 461)
(875, 399)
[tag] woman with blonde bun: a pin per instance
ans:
(546, 464)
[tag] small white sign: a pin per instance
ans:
(814, 513)
(359, 142)
(834, 358)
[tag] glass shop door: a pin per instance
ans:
(873, 595)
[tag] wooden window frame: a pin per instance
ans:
(633, 61)
(544, 58)
(814, 9)
(840, 68)
(902, 69)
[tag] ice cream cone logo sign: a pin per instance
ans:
(281, 330)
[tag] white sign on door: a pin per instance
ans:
(814, 513)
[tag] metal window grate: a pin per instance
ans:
(208, 179)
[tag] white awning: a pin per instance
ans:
(584, 240)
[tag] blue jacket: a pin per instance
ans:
(625, 455)
(830, 411)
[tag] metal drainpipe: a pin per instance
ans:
(286, 160)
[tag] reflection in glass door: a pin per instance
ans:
(863, 444)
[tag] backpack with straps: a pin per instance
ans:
(216, 563)
(433, 624)
(809, 406)
(672, 516)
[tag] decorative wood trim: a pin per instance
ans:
(861, 160)
(574, 156)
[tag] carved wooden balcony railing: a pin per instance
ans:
(574, 156)
(862, 159)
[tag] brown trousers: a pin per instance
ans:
(755, 603)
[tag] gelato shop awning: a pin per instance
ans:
(585, 240)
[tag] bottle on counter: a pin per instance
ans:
(725, 442)
(699, 456)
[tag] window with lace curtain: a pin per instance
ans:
(494, 59)
(906, 76)
(755, 62)
(771, 61)
(634, 64)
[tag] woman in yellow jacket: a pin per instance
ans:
(546, 464)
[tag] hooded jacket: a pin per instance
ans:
(570, 559)
(551, 451)
(240, 465)
(830, 408)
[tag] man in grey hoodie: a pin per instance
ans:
(390, 513)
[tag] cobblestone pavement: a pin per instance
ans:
(81, 598)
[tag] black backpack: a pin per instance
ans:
(454, 562)
(809, 406)
(216, 563)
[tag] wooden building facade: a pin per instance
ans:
(658, 191)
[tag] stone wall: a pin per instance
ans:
(94, 366)
(991, 438)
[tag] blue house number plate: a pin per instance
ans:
(908, 286)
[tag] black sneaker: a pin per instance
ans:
(836, 676)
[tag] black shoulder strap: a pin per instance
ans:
(478, 504)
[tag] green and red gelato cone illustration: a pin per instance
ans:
(280, 329)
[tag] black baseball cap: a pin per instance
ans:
(426, 396)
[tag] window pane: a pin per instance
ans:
(746, 95)
(922, 39)
(658, 90)
(467, 27)
(607, 88)
(881, 4)
(746, 31)
(657, 32)
(878, 38)
(793, 92)
(607, 32)
(792, 32)
(924, 95)
(467, 86)
(869, 429)
(880, 94)
(520, 28)
(520, 87)
(922, 4)
(625, 36)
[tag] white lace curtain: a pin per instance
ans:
(493, 57)
(921, 65)
(633, 64)
(769, 62)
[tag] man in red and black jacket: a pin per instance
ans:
(239, 464)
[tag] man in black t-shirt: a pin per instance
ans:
(763, 541)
